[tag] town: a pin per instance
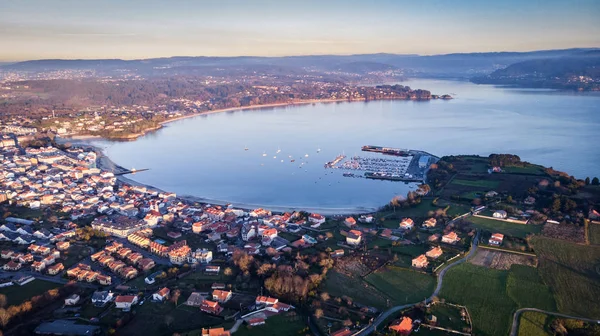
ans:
(128, 259)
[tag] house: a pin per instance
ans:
(593, 214)
(366, 219)
(6, 254)
(337, 253)
(213, 269)
(101, 298)
(42, 234)
(203, 256)
(161, 295)
(434, 253)
(104, 280)
(38, 266)
(128, 272)
(55, 269)
(529, 200)
(221, 295)
(407, 224)
(403, 327)
(135, 257)
(125, 301)
(278, 307)
(215, 332)
(72, 300)
(218, 285)
(354, 237)
(211, 307)
(496, 239)
(316, 220)
(420, 261)
(12, 266)
(350, 222)
(195, 300)
(265, 300)
(146, 264)
(430, 223)
(491, 194)
(450, 238)
(62, 246)
(253, 322)
(500, 214)
(174, 234)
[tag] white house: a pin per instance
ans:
(125, 301)
(407, 224)
(496, 239)
(354, 237)
(101, 298)
(161, 295)
(316, 219)
(72, 300)
(500, 214)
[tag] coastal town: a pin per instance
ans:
(106, 254)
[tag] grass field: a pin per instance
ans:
(594, 232)
(276, 325)
(403, 286)
(483, 292)
(16, 294)
(448, 316)
(525, 287)
(507, 228)
(338, 284)
(488, 184)
(533, 324)
(572, 273)
(531, 170)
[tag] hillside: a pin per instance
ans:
(579, 72)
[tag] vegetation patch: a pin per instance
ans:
(489, 184)
(288, 324)
(507, 228)
(572, 272)
(594, 233)
(402, 285)
(17, 294)
(533, 324)
(338, 284)
(525, 287)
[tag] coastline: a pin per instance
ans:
(104, 163)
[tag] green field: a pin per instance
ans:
(507, 228)
(276, 325)
(530, 170)
(594, 232)
(525, 287)
(16, 294)
(492, 296)
(448, 316)
(488, 184)
(338, 284)
(533, 324)
(483, 292)
(572, 273)
(402, 285)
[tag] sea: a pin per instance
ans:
(245, 157)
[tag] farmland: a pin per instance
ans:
(403, 286)
(594, 232)
(492, 296)
(17, 294)
(533, 324)
(487, 184)
(290, 324)
(571, 271)
(338, 284)
(507, 228)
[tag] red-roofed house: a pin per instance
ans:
(125, 301)
(161, 295)
(256, 322)
(221, 295)
(420, 261)
(403, 327)
(350, 222)
(496, 239)
(211, 307)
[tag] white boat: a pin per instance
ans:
(278, 150)
(274, 157)
(264, 154)
(306, 155)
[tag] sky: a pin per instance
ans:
(133, 29)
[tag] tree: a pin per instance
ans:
(347, 322)
(4, 317)
(228, 271)
(325, 296)
(2, 301)
(595, 181)
(168, 320)
(556, 205)
(587, 180)
(176, 295)
(509, 199)
(319, 313)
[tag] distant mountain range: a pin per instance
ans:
(449, 65)
(544, 68)
(579, 71)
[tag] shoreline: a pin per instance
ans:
(161, 124)
(104, 163)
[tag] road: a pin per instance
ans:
(515, 325)
(372, 327)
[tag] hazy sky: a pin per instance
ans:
(34, 29)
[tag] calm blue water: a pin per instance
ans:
(204, 156)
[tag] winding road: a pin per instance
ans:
(440, 278)
(515, 325)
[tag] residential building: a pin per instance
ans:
(202, 256)
(72, 300)
(430, 223)
(450, 238)
(496, 239)
(195, 300)
(403, 327)
(350, 222)
(211, 307)
(161, 295)
(215, 332)
(316, 220)
(420, 261)
(125, 301)
(500, 214)
(434, 253)
(55, 269)
(101, 298)
(407, 223)
(354, 237)
(221, 295)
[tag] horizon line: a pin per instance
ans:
(297, 55)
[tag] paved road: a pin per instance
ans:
(389, 312)
(515, 325)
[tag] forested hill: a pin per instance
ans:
(577, 72)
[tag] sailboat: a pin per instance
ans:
(318, 150)
(245, 148)
(264, 154)
(278, 150)
(306, 155)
